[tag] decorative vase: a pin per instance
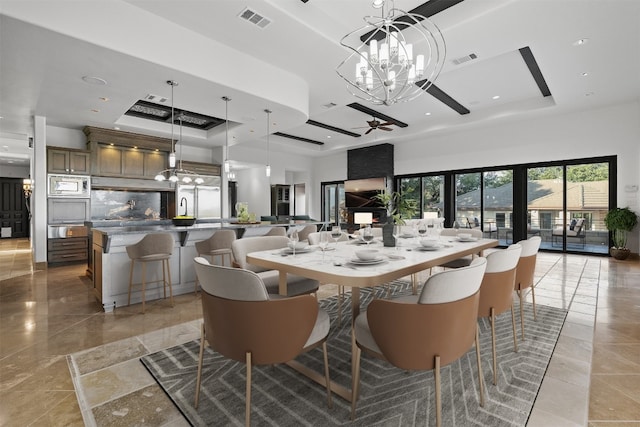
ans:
(387, 235)
(619, 254)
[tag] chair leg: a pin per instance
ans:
(247, 407)
(326, 374)
(200, 357)
(480, 376)
(144, 276)
(164, 280)
(169, 275)
(520, 294)
(493, 346)
(436, 372)
(340, 300)
(355, 381)
(130, 282)
(513, 324)
(533, 300)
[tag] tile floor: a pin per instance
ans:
(593, 378)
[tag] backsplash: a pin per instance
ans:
(136, 205)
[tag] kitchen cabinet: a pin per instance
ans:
(128, 162)
(280, 200)
(125, 154)
(73, 249)
(62, 160)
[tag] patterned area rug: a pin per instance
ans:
(388, 396)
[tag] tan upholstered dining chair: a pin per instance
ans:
(525, 274)
(296, 285)
(496, 293)
(218, 245)
(452, 232)
(389, 329)
(241, 323)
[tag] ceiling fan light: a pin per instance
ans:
(186, 179)
(199, 180)
(160, 177)
(172, 160)
(173, 178)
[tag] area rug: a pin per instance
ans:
(389, 396)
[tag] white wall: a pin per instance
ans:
(65, 137)
(10, 171)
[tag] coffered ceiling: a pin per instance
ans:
(507, 60)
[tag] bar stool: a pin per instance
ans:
(152, 247)
(218, 245)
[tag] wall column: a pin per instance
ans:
(39, 196)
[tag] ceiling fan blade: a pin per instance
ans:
(362, 127)
(367, 132)
(384, 128)
(386, 124)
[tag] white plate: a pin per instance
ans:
(428, 248)
(289, 251)
(358, 261)
(407, 236)
(470, 239)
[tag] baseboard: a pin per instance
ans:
(40, 265)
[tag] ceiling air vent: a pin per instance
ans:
(156, 98)
(254, 17)
(464, 59)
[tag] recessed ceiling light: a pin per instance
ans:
(427, 114)
(581, 42)
(329, 136)
(585, 74)
(495, 97)
(116, 127)
(104, 98)
(94, 80)
(589, 94)
(93, 110)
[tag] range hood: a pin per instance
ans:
(131, 184)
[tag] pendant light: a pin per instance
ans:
(227, 166)
(172, 155)
(268, 168)
(173, 171)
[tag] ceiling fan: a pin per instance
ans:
(376, 124)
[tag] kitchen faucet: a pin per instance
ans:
(184, 199)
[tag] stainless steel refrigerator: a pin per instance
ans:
(202, 200)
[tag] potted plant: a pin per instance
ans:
(398, 209)
(620, 221)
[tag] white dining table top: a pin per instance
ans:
(337, 267)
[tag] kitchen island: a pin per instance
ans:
(110, 263)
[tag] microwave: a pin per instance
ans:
(69, 186)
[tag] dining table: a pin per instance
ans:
(340, 265)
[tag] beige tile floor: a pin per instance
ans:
(593, 378)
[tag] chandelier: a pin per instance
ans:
(395, 57)
(174, 174)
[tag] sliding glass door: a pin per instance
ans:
(566, 205)
(333, 206)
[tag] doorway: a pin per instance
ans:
(14, 208)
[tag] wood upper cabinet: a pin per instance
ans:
(67, 161)
(125, 154)
(127, 162)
